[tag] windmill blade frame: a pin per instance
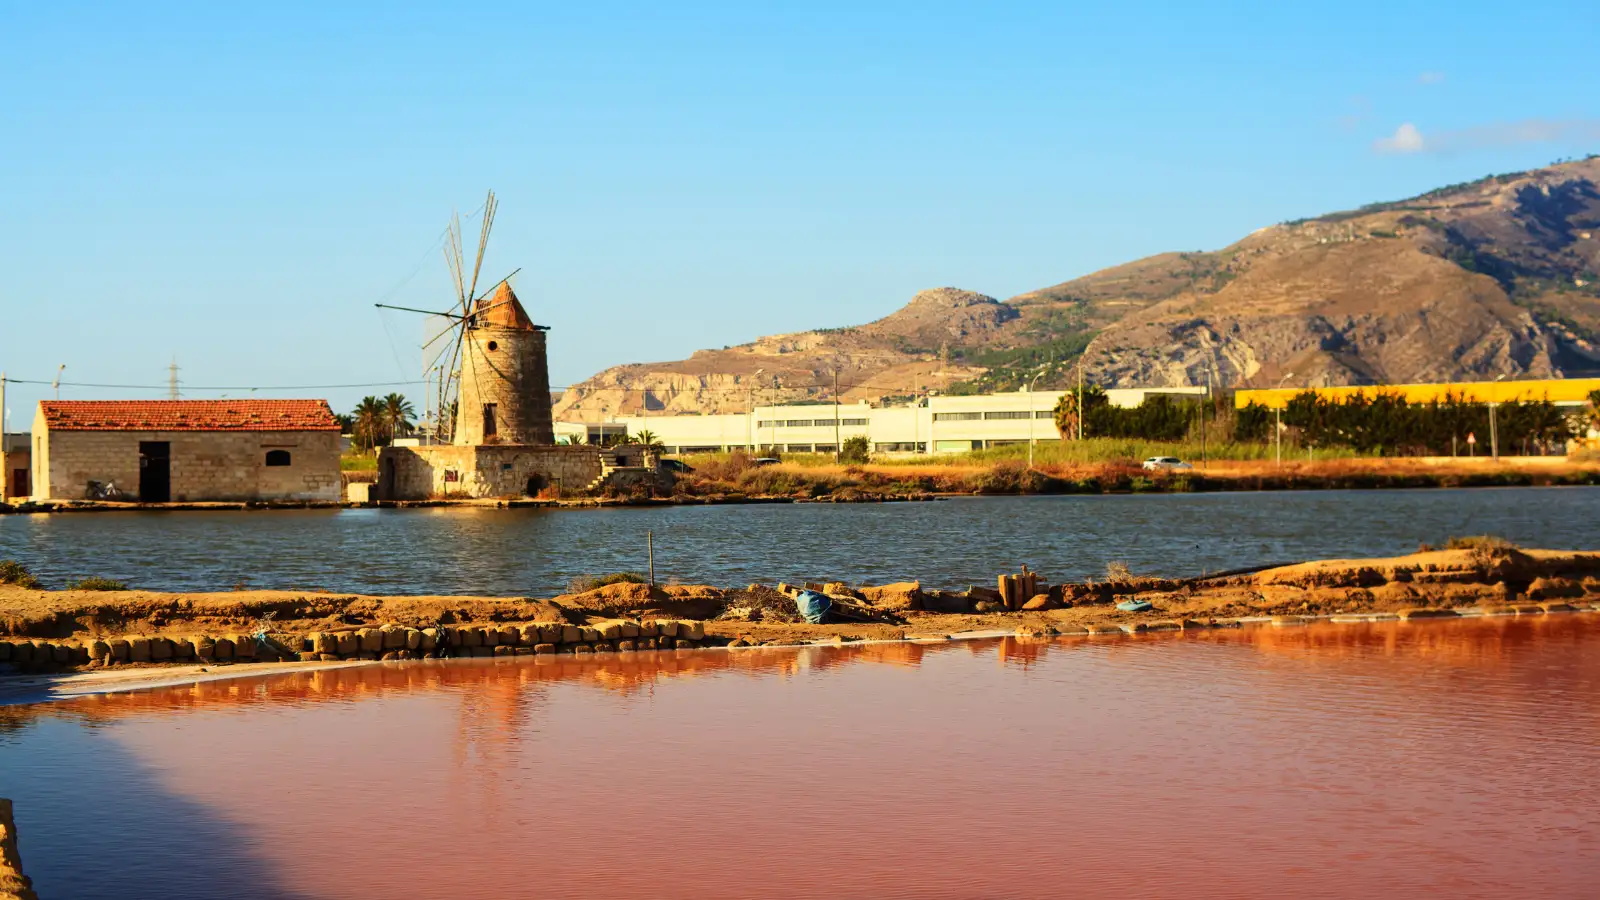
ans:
(466, 303)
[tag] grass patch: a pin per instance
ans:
(585, 583)
(1480, 542)
(96, 583)
(13, 572)
(358, 462)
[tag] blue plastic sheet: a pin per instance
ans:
(813, 606)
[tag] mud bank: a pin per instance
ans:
(55, 632)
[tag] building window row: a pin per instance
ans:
(810, 423)
(992, 416)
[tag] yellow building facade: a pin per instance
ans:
(1559, 391)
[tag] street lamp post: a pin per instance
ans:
(1032, 417)
(750, 423)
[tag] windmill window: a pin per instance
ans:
(277, 457)
(489, 424)
(493, 346)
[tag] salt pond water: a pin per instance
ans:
(1452, 759)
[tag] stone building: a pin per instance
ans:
(159, 451)
(505, 377)
(504, 441)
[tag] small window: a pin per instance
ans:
(277, 457)
(493, 346)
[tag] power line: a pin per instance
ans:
(234, 387)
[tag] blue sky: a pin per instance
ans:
(235, 185)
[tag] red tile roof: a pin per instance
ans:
(504, 310)
(188, 415)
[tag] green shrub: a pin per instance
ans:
(13, 572)
(1480, 542)
(96, 583)
(584, 583)
(855, 450)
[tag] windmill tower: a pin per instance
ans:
(505, 376)
(495, 383)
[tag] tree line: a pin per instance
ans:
(1385, 423)
(1377, 422)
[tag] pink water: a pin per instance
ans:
(1457, 759)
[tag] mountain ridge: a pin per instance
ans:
(1489, 277)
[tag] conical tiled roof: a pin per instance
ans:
(503, 310)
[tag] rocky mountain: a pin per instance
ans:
(912, 349)
(1495, 276)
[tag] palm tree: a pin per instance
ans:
(397, 414)
(646, 439)
(369, 422)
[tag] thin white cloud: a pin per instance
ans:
(1431, 78)
(1406, 139)
(1409, 139)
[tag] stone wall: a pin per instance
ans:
(493, 470)
(205, 465)
(376, 642)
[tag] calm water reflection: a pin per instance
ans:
(1460, 759)
(945, 544)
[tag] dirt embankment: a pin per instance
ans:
(63, 629)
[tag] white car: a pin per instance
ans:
(1165, 464)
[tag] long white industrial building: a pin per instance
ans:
(935, 424)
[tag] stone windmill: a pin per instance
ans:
(494, 374)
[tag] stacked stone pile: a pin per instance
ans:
(398, 642)
(371, 643)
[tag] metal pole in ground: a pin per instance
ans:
(838, 448)
(650, 548)
(1277, 435)
(1493, 433)
(1032, 416)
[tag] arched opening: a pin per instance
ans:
(277, 457)
(536, 483)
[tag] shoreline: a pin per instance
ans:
(28, 690)
(907, 482)
(82, 637)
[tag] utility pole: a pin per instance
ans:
(1277, 435)
(172, 379)
(57, 383)
(1205, 409)
(777, 389)
(750, 423)
(1494, 433)
(1080, 398)
(2, 425)
(838, 448)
